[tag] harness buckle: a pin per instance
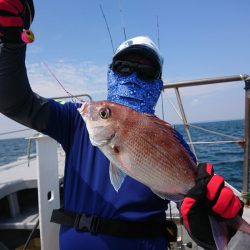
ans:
(87, 223)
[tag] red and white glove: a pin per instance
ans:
(209, 196)
(16, 17)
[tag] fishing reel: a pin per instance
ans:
(27, 36)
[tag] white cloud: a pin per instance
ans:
(75, 78)
(87, 77)
(210, 102)
(195, 102)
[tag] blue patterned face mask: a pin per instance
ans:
(132, 92)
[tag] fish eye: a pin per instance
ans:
(104, 113)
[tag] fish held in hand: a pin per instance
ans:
(141, 146)
(148, 150)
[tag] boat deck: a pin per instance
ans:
(20, 175)
(15, 177)
(239, 241)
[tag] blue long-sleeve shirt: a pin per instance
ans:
(87, 188)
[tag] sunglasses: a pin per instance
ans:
(143, 71)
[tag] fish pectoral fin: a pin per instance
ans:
(116, 175)
(166, 196)
(161, 195)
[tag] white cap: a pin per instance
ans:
(143, 45)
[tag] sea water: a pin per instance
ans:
(227, 158)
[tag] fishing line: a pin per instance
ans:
(173, 106)
(61, 85)
(198, 127)
(122, 20)
(14, 131)
(158, 32)
(158, 40)
(30, 235)
(107, 28)
(162, 107)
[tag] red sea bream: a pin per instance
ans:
(145, 148)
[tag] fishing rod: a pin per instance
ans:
(158, 41)
(158, 32)
(57, 80)
(107, 28)
(122, 20)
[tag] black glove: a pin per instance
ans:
(16, 17)
(209, 196)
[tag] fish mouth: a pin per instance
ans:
(96, 132)
(101, 143)
(98, 143)
(82, 110)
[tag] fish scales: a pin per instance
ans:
(141, 146)
(158, 158)
(148, 150)
(140, 169)
(151, 172)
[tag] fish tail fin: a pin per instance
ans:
(220, 234)
(239, 223)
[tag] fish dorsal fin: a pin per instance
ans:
(174, 135)
(116, 176)
(165, 126)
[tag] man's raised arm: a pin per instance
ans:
(17, 100)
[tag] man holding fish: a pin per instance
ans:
(123, 164)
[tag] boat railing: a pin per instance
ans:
(47, 159)
(57, 98)
(72, 96)
(48, 180)
(245, 142)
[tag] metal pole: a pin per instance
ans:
(79, 95)
(178, 96)
(206, 81)
(246, 163)
(48, 190)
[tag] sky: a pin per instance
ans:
(198, 39)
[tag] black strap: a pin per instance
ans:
(120, 228)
